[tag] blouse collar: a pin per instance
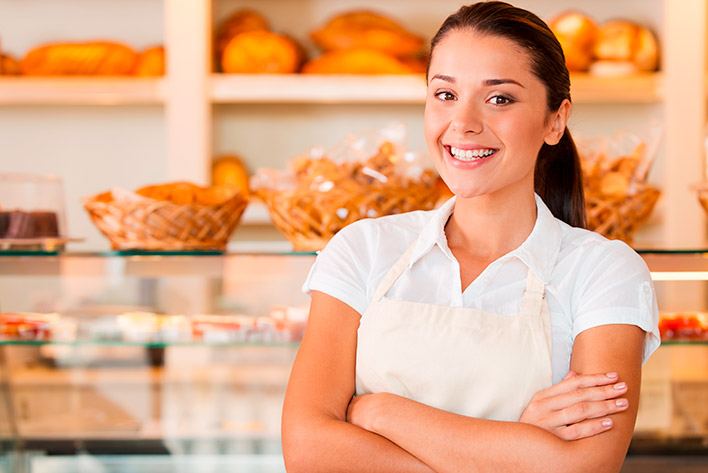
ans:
(538, 251)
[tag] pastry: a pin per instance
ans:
(9, 65)
(230, 171)
(151, 62)
(369, 30)
(240, 21)
(186, 193)
(91, 58)
(261, 52)
(576, 33)
(323, 195)
(356, 61)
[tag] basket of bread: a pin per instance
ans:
(325, 191)
(618, 198)
(174, 216)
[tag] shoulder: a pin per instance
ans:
(588, 252)
(349, 266)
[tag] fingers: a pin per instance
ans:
(584, 429)
(576, 382)
(596, 393)
(570, 374)
(587, 410)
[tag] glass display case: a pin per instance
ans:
(171, 362)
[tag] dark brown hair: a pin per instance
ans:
(557, 177)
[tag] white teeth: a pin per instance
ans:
(471, 155)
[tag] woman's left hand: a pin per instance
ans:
(364, 410)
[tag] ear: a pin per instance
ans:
(557, 123)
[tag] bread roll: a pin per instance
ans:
(9, 65)
(576, 33)
(356, 61)
(151, 62)
(229, 171)
(261, 52)
(616, 40)
(368, 30)
(240, 21)
(621, 40)
(646, 52)
(100, 58)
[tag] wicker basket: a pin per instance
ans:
(148, 224)
(308, 219)
(617, 219)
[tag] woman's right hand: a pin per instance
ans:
(578, 406)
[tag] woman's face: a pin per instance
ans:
(485, 114)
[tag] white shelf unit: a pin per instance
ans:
(269, 119)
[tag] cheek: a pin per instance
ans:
(434, 122)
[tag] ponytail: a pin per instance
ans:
(558, 180)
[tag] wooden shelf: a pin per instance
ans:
(635, 89)
(333, 89)
(80, 91)
(279, 89)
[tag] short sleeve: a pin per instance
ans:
(617, 289)
(342, 268)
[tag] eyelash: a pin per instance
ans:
(508, 99)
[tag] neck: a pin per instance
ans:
(491, 225)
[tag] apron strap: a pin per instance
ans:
(534, 296)
(394, 273)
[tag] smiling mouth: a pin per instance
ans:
(470, 155)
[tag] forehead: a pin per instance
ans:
(466, 52)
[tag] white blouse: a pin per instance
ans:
(594, 281)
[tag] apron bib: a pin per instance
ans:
(466, 361)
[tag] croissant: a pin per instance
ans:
(366, 29)
(91, 58)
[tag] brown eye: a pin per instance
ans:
(445, 96)
(500, 100)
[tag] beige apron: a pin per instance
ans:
(466, 361)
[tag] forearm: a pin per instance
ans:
(453, 443)
(334, 446)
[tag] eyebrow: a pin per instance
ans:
(487, 83)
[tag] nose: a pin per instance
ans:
(467, 119)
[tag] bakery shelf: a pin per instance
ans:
(404, 89)
(81, 91)
(334, 89)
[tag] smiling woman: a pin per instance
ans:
(494, 332)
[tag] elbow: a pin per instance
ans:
(295, 443)
(575, 457)
(300, 448)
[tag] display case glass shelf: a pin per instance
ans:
(135, 361)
